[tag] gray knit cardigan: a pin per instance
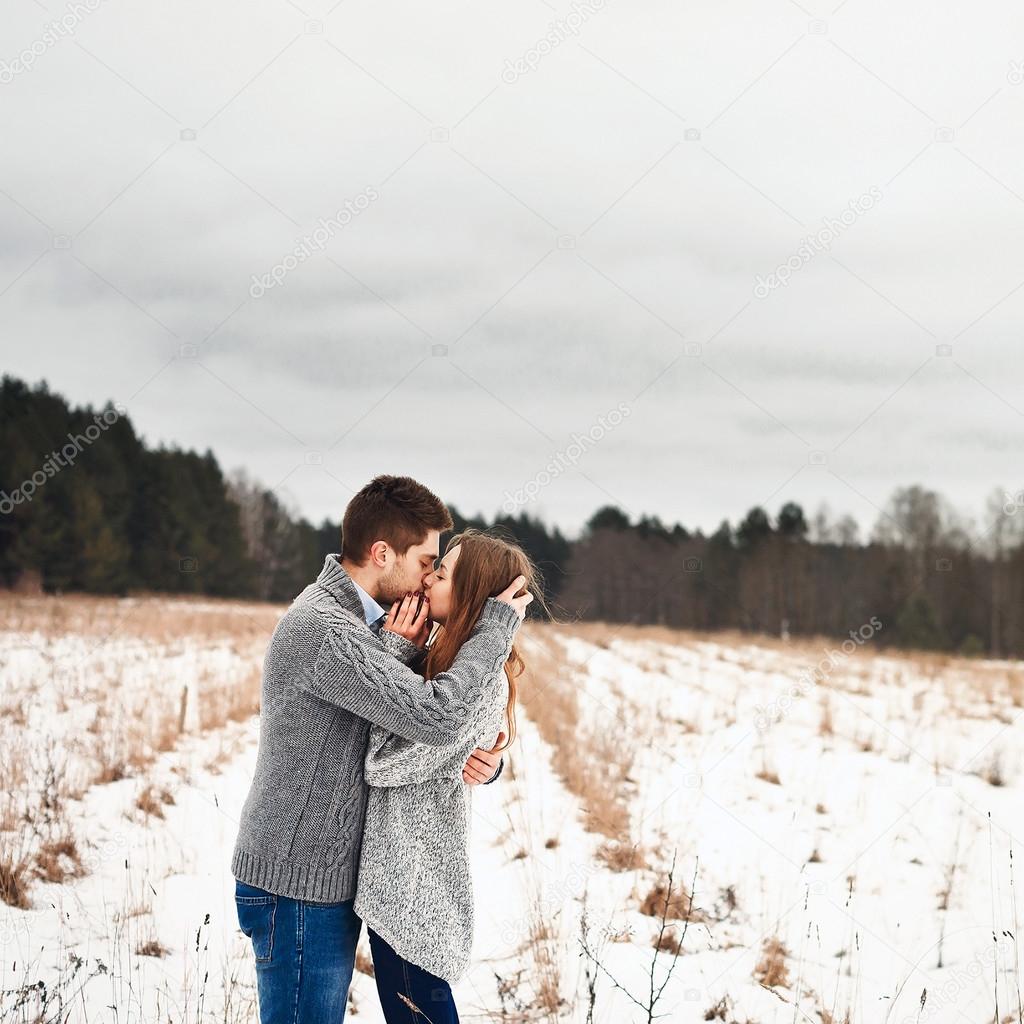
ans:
(415, 886)
(326, 678)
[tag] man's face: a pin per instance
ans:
(406, 574)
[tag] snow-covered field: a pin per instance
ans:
(845, 838)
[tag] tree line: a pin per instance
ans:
(86, 505)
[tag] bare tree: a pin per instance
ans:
(664, 940)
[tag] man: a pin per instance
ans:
(329, 672)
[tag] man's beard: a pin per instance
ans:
(391, 587)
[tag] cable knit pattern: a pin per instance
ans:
(326, 679)
(415, 885)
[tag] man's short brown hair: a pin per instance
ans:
(395, 509)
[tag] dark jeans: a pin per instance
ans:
(431, 996)
(304, 955)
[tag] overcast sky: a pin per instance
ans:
(544, 212)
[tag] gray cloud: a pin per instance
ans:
(539, 249)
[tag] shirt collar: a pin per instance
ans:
(372, 611)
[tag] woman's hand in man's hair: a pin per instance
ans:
(508, 596)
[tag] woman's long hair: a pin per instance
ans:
(487, 565)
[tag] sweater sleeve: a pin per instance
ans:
(354, 671)
(404, 650)
(397, 761)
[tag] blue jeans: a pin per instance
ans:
(304, 952)
(432, 996)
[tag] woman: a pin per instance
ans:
(414, 889)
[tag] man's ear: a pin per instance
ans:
(379, 553)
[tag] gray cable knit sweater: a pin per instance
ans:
(415, 885)
(326, 678)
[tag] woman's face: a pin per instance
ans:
(437, 585)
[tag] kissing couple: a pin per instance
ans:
(374, 726)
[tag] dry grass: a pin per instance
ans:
(152, 800)
(151, 947)
(992, 773)
(593, 760)
(364, 962)
(827, 1016)
(58, 860)
(620, 855)
(546, 961)
(771, 970)
(592, 753)
(119, 682)
(14, 879)
(997, 681)
(110, 767)
(719, 1011)
(919, 691)
(679, 907)
(152, 670)
(826, 726)
(538, 928)
(163, 619)
(668, 942)
(1015, 687)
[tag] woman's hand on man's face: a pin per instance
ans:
(410, 618)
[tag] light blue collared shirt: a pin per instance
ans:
(371, 610)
